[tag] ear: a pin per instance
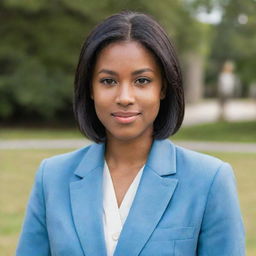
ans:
(91, 94)
(162, 95)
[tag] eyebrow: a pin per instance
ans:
(136, 72)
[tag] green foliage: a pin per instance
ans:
(38, 55)
(29, 5)
(235, 38)
(41, 40)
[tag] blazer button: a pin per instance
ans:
(115, 236)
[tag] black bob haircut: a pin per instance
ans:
(129, 26)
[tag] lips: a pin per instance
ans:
(125, 117)
(125, 114)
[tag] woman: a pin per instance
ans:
(133, 192)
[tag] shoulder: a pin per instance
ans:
(200, 166)
(62, 164)
(206, 177)
(193, 159)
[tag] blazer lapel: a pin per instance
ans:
(153, 195)
(86, 201)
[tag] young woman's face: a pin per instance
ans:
(126, 89)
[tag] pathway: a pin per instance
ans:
(208, 111)
(78, 143)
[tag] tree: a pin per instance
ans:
(41, 40)
(234, 38)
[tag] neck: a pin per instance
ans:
(131, 153)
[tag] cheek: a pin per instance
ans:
(102, 99)
(100, 108)
(151, 107)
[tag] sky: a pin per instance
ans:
(214, 17)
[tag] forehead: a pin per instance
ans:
(126, 54)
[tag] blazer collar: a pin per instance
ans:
(87, 201)
(160, 149)
(162, 157)
(92, 159)
(153, 195)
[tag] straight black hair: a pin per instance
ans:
(142, 28)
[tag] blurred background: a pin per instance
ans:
(39, 49)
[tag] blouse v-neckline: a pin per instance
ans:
(113, 216)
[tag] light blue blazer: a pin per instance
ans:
(186, 204)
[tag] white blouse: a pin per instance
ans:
(114, 217)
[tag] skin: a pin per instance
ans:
(126, 78)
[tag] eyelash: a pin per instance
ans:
(109, 81)
(145, 79)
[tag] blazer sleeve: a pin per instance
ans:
(222, 231)
(34, 237)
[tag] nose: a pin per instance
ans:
(125, 95)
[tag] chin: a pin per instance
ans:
(128, 136)
(123, 137)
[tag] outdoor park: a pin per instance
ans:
(40, 43)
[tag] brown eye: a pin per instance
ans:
(108, 81)
(142, 81)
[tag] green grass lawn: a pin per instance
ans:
(39, 133)
(221, 131)
(17, 174)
